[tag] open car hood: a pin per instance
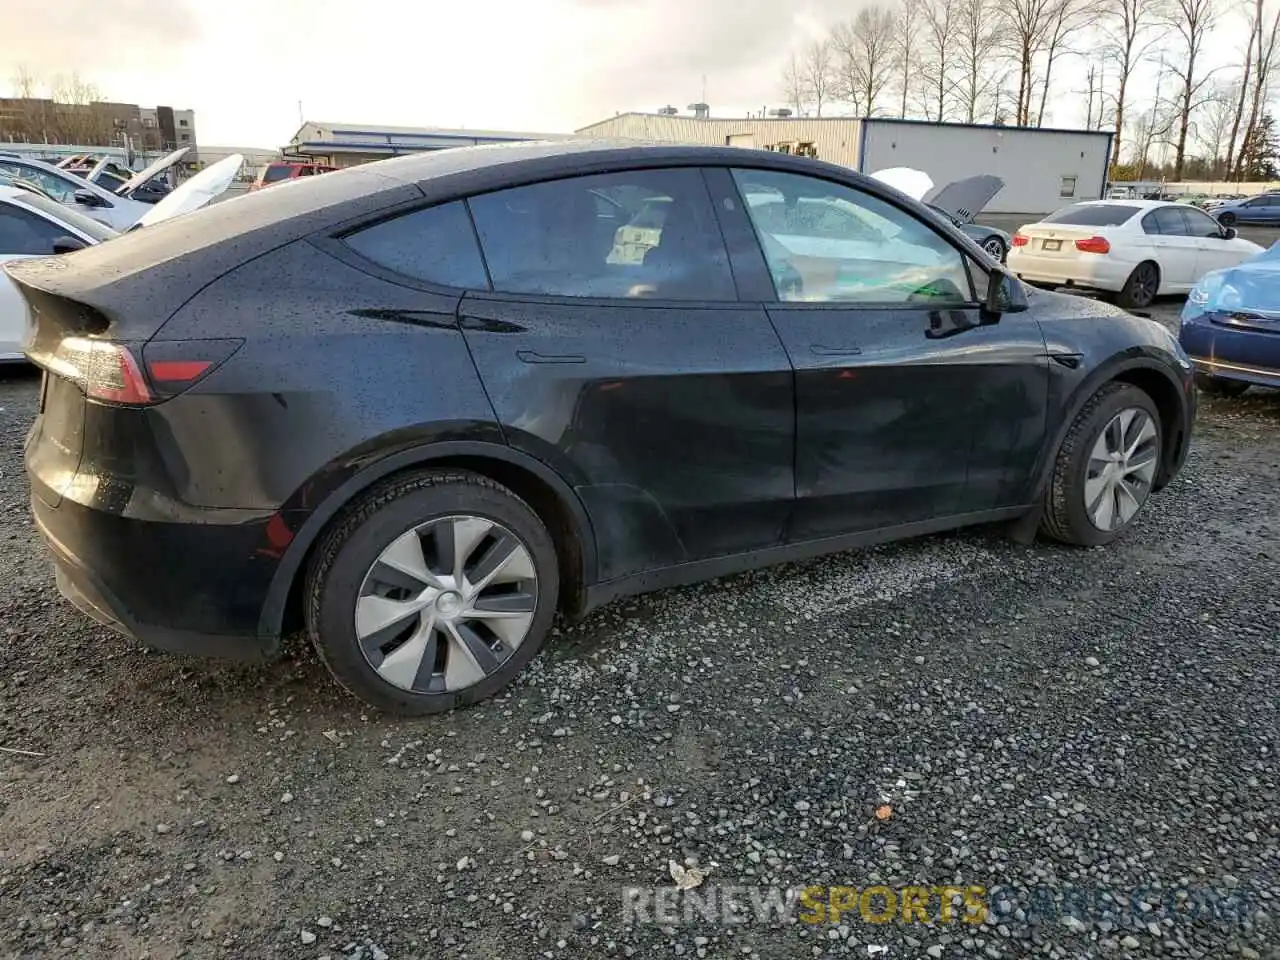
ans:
(914, 183)
(195, 193)
(965, 199)
(153, 171)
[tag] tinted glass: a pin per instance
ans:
(436, 244)
(68, 215)
(274, 173)
(1170, 221)
(1201, 224)
(24, 233)
(642, 233)
(826, 242)
(1093, 214)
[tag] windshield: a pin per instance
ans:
(64, 214)
(276, 172)
(1093, 214)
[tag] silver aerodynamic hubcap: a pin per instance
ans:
(1122, 466)
(446, 604)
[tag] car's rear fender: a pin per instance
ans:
(316, 505)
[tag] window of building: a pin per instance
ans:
(642, 233)
(183, 123)
(1068, 188)
(435, 244)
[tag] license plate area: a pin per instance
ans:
(1051, 245)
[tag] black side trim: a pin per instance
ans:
(272, 616)
(699, 570)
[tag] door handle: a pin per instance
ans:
(532, 356)
(824, 351)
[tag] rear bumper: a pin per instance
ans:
(1093, 272)
(149, 594)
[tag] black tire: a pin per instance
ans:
(1141, 287)
(1220, 387)
(995, 248)
(356, 540)
(1066, 516)
(1227, 219)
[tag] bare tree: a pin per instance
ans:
(906, 49)
(863, 51)
(1026, 22)
(1258, 63)
(939, 20)
(1067, 19)
(1213, 132)
(1133, 26)
(816, 62)
(793, 85)
(1193, 22)
(977, 45)
(30, 119)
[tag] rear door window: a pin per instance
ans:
(435, 244)
(1170, 221)
(642, 233)
(23, 233)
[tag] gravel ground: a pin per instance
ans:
(1047, 723)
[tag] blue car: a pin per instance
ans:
(1231, 326)
(1264, 208)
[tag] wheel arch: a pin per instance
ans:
(1151, 377)
(555, 502)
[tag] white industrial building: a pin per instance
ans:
(1042, 168)
(347, 144)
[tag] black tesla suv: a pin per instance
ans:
(421, 406)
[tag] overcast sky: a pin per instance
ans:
(529, 65)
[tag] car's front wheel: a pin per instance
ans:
(1227, 219)
(431, 592)
(1218, 387)
(1105, 467)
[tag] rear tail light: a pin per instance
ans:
(1093, 245)
(111, 372)
(1019, 240)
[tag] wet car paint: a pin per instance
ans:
(671, 435)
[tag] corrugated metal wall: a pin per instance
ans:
(1033, 163)
(835, 139)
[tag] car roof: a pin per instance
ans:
(1140, 204)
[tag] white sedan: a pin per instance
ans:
(1135, 249)
(33, 225)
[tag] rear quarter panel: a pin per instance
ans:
(338, 368)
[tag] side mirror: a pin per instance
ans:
(89, 198)
(1228, 233)
(1005, 294)
(68, 244)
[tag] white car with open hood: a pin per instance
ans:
(1135, 249)
(33, 225)
(117, 209)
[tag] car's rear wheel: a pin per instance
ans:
(1220, 387)
(995, 248)
(432, 592)
(1105, 467)
(1141, 287)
